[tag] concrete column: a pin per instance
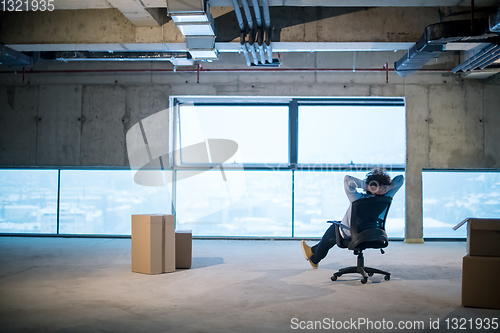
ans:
(417, 157)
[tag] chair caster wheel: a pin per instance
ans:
(334, 277)
(364, 280)
(387, 277)
(370, 274)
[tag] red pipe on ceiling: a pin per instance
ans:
(217, 70)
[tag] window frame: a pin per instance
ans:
(293, 104)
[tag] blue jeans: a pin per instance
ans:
(328, 241)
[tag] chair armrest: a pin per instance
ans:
(339, 223)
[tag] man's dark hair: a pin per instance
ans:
(378, 176)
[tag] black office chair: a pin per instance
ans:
(368, 217)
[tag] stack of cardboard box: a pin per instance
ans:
(481, 265)
(157, 247)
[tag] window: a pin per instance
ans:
(261, 131)
(451, 196)
(340, 134)
(249, 203)
(102, 201)
(28, 201)
(320, 197)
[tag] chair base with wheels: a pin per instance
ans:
(361, 269)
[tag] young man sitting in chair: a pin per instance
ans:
(377, 182)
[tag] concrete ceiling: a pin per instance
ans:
(96, 4)
(139, 25)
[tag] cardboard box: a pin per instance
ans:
(153, 244)
(183, 248)
(480, 287)
(483, 236)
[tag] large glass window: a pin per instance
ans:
(102, 201)
(320, 197)
(28, 201)
(450, 197)
(238, 163)
(247, 203)
(261, 132)
(331, 134)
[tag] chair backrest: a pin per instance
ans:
(368, 217)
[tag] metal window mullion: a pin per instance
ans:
(174, 160)
(293, 203)
(293, 120)
(58, 199)
(353, 101)
(293, 133)
(174, 194)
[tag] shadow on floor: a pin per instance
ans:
(200, 262)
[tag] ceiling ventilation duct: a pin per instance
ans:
(479, 60)
(12, 58)
(439, 37)
(196, 24)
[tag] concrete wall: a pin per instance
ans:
(82, 119)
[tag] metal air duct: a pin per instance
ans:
(436, 37)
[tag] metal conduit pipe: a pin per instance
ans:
(486, 57)
(237, 11)
(267, 24)
(245, 53)
(269, 49)
(494, 56)
(256, 9)
(262, 54)
(241, 23)
(250, 45)
(267, 17)
(248, 13)
(254, 54)
(477, 60)
(260, 39)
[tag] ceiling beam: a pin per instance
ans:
(97, 4)
(295, 29)
(136, 12)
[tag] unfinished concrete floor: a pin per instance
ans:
(85, 285)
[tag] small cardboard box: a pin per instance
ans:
(183, 248)
(483, 236)
(153, 244)
(480, 287)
